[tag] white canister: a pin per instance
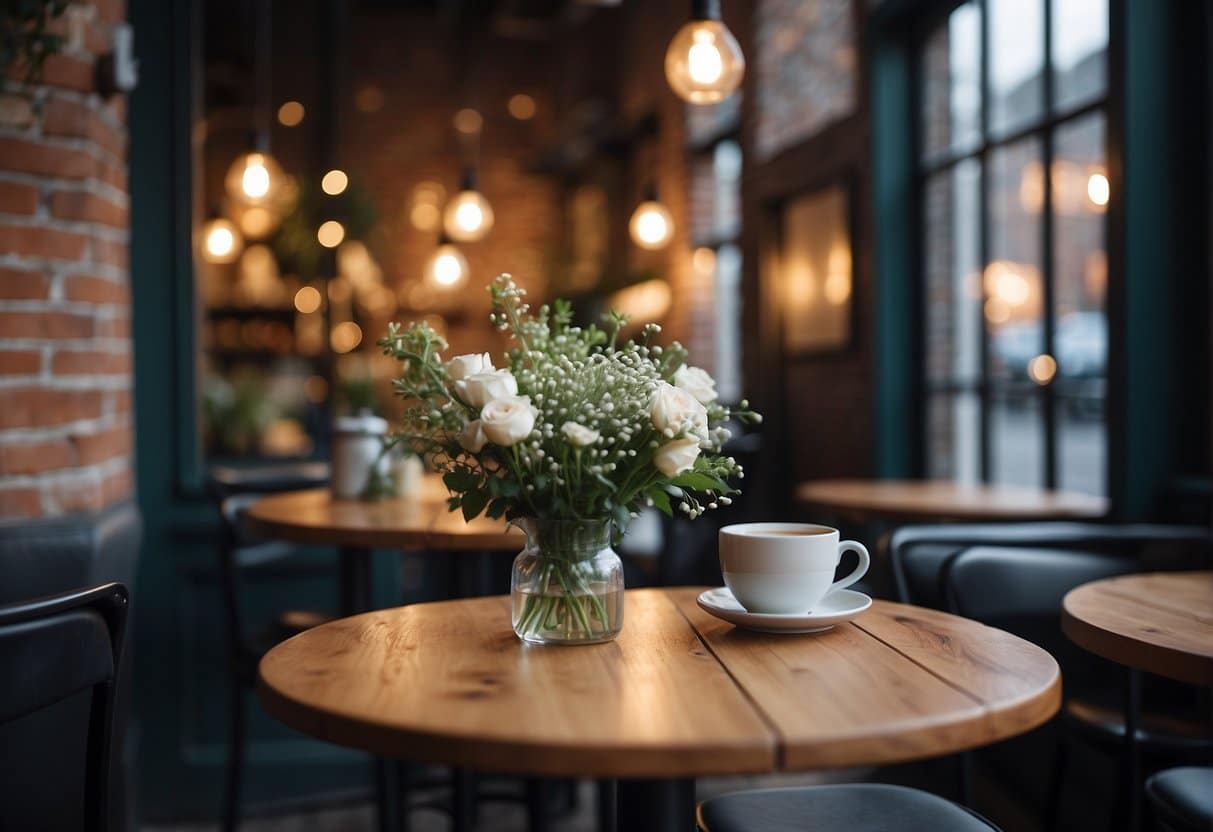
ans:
(407, 472)
(357, 453)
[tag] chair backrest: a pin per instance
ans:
(60, 645)
(919, 554)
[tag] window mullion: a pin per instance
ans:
(1048, 394)
(983, 244)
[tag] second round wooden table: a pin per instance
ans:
(679, 694)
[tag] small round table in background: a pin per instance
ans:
(942, 500)
(679, 694)
(1161, 622)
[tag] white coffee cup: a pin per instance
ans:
(785, 568)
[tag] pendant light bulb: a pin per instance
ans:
(447, 268)
(651, 225)
(221, 241)
(468, 216)
(254, 179)
(704, 63)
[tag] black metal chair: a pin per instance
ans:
(54, 647)
(1021, 590)
(855, 807)
(236, 489)
(1182, 799)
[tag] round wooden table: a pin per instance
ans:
(1161, 622)
(943, 500)
(679, 694)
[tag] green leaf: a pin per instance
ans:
(661, 500)
(622, 517)
(461, 479)
(696, 481)
(473, 504)
(496, 509)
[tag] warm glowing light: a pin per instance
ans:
(651, 225)
(468, 121)
(646, 301)
(254, 179)
(1098, 189)
(468, 217)
(522, 106)
(256, 222)
(1042, 368)
(334, 182)
(997, 311)
(703, 63)
(703, 260)
(838, 288)
(369, 99)
(447, 268)
(221, 241)
(316, 389)
(307, 300)
(330, 234)
(425, 217)
(345, 336)
(290, 114)
(1005, 281)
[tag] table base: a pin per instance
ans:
(655, 805)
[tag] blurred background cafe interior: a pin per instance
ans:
(957, 253)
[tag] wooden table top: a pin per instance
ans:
(946, 500)
(417, 521)
(678, 694)
(1160, 623)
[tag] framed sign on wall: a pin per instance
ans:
(814, 271)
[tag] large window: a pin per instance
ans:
(1013, 195)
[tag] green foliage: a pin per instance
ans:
(25, 41)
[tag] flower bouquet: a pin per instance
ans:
(573, 436)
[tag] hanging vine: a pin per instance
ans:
(25, 37)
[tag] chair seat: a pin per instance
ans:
(859, 807)
(1183, 798)
(1156, 732)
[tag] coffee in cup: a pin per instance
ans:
(785, 568)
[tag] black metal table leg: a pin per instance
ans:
(538, 806)
(387, 788)
(656, 805)
(355, 580)
(463, 800)
(1131, 763)
(606, 800)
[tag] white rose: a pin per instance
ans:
(676, 456)
(675, 410)
(479, 389)
(462, 366)
(697, 382)
(508, 420)
(579, 435)
(472, 437)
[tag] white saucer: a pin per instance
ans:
(838, 606)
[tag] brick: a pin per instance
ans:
(68, 72)
(16, 110)
(65, 117)
(45, 324)
(18, 198)
(107, 251)
(118, 402)
(26, 156)
(117, 486)
(20, 362)
(87, 288)
(76, 494)
(40, 241)
(113, 175)
(87, 207)
(17, 503)
(99, 447)
(90, 363)
(111, 11)
(114, 327)
(37, 407)
(20, 284)
(36, 457)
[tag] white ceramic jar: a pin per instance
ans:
(357, 453)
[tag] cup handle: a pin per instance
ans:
(860, 570)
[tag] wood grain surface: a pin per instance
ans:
(418, 521)
(679, 694)
(943, 500)
(1160, 623)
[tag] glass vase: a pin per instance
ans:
(567, 584)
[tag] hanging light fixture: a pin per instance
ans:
(468, 216)
(703, 63)
(255, 179)
(221, 240)
(651, 225)
(447, 268)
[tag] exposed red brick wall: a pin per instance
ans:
(65, 349)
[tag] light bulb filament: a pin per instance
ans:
(704, 61)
